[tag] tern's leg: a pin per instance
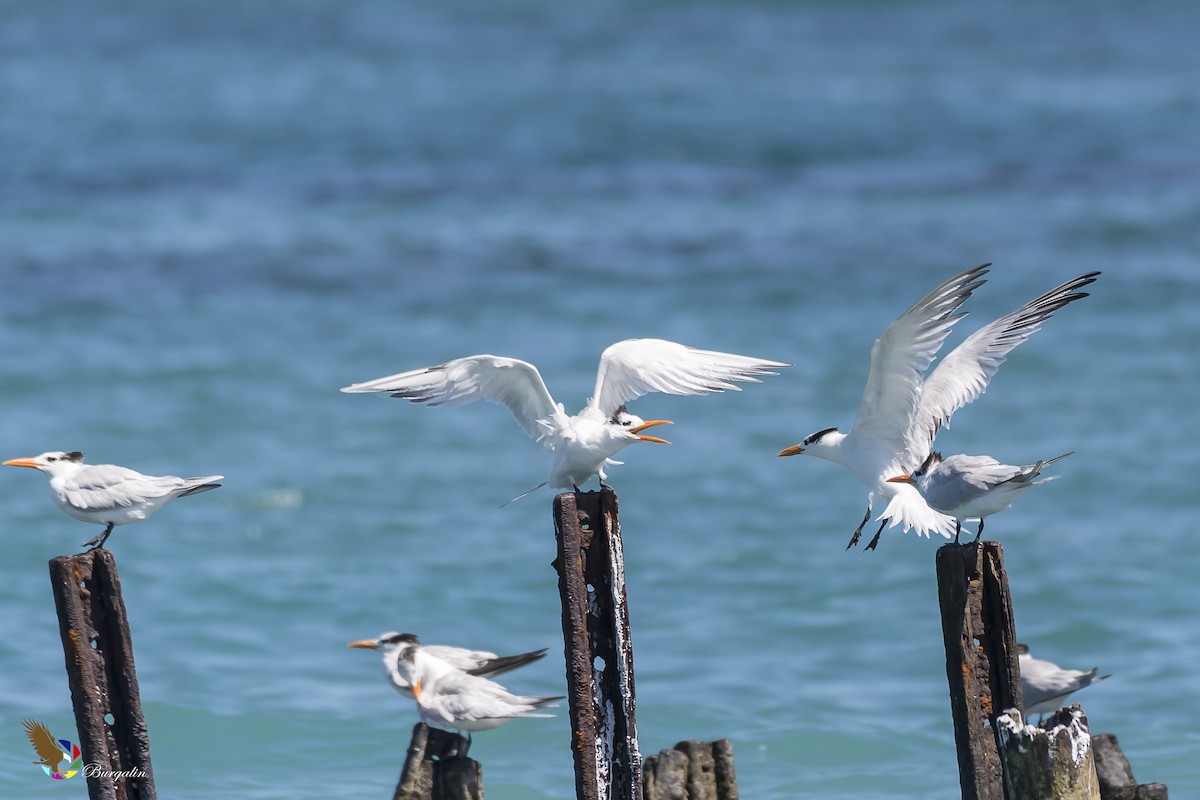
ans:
(875, 539)
(980, 533)
(858, 530)
(957, 530)
(99, 541)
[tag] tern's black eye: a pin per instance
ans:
(52, 458)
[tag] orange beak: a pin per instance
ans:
(794, 450)
(364, 643)
(416, 687)
(905, 478)
(651, 424)
(22, 462)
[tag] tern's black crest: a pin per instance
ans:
(932, 460)
(399, 638)
(816, 437)
(615, 418)
(74, 455)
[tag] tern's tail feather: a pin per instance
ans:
(909, 510)
(202, 485)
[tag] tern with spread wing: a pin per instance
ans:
(105, 494)
(582, 445)
(902, 408)
(1045, 685)
(448, 698)
(473, 662)
(972, 487)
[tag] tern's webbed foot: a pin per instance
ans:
(875, 539)
(858, 531)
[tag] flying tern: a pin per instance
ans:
(473, 662)
(448, 698)
(1045, 685)
(903, 408)
(105, 494)
(582, 445)
(972, 487)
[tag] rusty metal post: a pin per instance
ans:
(599, 652)
(104, 688)
(981, 659)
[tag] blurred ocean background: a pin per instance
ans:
(212, 216)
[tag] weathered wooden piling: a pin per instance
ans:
(692, 771)
(1053, 761)
(599, 653)
(1116, 776)
(434, 770)
(981, 659)
(100, 672)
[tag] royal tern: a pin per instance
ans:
(902, 408)
(105, 494)
(582, 444)
(472, 662)
(448, 698)
(1045, 685)
(972, 487)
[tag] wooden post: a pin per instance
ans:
(981, 659)
(599, 653)
(1050, 762)
(692, 771)
(100, 671)
(433, 769)
(1116, 776)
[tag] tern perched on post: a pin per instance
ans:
(1045, 685)
(903, 408)
(473, 662)
(105, 494)
(582, 444)
(448, 698)
(972, 487)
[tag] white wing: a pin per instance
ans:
(103, 487)
(635, 367)
(963, 376)
(459, 657)
(901, 355)
(507, 381)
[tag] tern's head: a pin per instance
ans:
(55, 462)
(631, 426)
(822, 444)
(914, 477)
(403, 644)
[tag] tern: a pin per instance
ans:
(472, 662)
(105, 494)
(448, 698)
(1045, 685)
(972, 487)
(582, 445)
(902, 408)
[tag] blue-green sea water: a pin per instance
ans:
(212, 216)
